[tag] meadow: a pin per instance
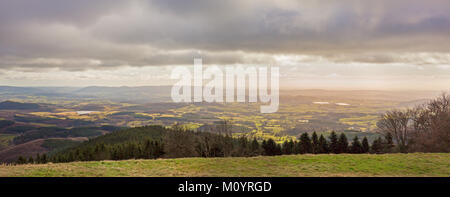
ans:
(323, 165)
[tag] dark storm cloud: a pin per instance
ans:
(287, 26)
(84, 34)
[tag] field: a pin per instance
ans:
(391, 165)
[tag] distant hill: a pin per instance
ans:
(141, 94)
(156, 94)
(57, 132)
(40, 140)
(128, 135)
(28, 149)
(52, 140)
(11, 105)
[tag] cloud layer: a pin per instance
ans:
(98, 35)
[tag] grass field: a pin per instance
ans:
(417, 164)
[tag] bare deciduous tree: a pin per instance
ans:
(424, 128)
(432, 126)
(397, 122)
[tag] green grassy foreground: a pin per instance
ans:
(417, 164)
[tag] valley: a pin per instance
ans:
(66, 115)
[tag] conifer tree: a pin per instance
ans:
(255, 147)
(21, 160)
(297, 148)
(377, 146)
(278, 150)
(315, 143)
(291, 145)
(285, 148)
(44, 158)
(356, 146)
(270, 147)
(159, 149)
(147, 150)
(243, 147)
(288, 147)
(365, 145)
(342, 144)
(334, 146)
(323, 145)
(38, 158)
(30, 160)
(305, 143)
(264, 147)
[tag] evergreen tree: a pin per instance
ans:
(278, 150)
(323, 145)
(44, 158)
(270, 147)
(38, 158)
(147, 149)
(30, 160)
(305, 143)
(288, 147)
(298, 149)
(255, 147)
(285, 148)
(264, 147)
(334, 146)
(377, 146)
(315, 143)
(342, 144)
(159, 150)
(356, 146)
(365, 145)
(70, 157)
(291, 145)
(243, 148)
(21, 160)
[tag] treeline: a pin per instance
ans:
(178, 142)
(425, 128)
(320, 145)
(131, 150)
(39, 159)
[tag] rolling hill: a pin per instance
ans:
(39, 146)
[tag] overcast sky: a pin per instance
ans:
(349, 44)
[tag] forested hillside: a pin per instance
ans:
(151, 142)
